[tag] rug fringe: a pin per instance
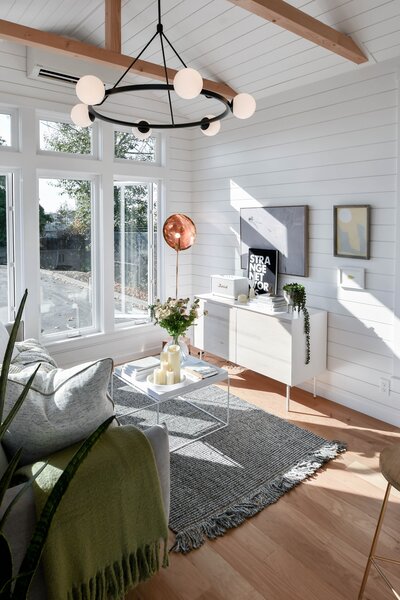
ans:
(215, 526)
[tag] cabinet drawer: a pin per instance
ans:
(264, 344)
(215, 330)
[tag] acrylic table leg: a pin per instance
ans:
(228, 402)
(158, 413)
(287, 397)
(314, 387)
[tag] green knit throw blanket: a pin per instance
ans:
(108, 530)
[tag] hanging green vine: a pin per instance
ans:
(298, 296)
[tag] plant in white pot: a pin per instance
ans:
(295, 296)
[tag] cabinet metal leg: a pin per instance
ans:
(314, 387)
(287, 397)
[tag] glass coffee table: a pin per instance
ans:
(192, 392)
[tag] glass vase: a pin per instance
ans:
(179, 341)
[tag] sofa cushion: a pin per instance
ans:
(4, 337)
(62, 407)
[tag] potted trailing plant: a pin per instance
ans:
(16, 586)
(295, 296)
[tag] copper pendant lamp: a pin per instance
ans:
(179, 232)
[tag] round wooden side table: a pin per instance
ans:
(389, 462)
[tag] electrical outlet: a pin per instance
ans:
(385, 386)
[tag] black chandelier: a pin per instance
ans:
(187, 83)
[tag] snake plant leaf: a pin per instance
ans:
(8, 354)
(8, 474)
(23, 489)
(34, 551)
(4, 425)
(6, 569)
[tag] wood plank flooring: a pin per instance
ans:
(313, 543)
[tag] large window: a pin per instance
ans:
(7, 267)
(57, 136)
(66, 256)
(135, 250)
(5, 129)
(128, 147)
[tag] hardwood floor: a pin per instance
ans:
(313, 543)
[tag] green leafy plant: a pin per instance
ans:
(175, 315)
(16, 587)
(298, 298)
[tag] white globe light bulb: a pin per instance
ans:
(188, 83)
(80, 115)
(244, 106)
(213, 127)
(90, 90)
(143, 132)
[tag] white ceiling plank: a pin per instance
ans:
(223, 41)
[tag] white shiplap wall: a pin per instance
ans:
(329, 143)
(29, 96)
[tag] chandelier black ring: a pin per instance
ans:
(93, 112)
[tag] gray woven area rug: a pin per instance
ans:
(232, 474)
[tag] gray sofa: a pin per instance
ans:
(21, 522)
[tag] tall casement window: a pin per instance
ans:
(7, 250)
(135, 250)
(67, 274)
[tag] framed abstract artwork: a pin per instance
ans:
(282, 228)
(351, 231)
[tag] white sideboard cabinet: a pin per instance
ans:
(272, 345)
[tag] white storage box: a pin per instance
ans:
(229, 286)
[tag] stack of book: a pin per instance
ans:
(201, 371)
(272, 304)
(138, 368)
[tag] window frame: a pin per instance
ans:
(153, 283)
(62, 118)
(82, 332)
(158, 150)
(14, 128)
(11, 187)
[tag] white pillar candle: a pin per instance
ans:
(170, 377)
(174, 361)
(163, 357)
(159, 377)
(164, 365)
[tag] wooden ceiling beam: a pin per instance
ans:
(113, 25)
(28, 36)
(287, 16)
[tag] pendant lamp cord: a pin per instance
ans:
(166, 77)
(162, 35)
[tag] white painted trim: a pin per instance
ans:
(396, 304)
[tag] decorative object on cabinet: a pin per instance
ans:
(351, 231)
(295, 295)
(179, 232)
(282, 228)
(263, 270)
(229, 286)
(270, 344)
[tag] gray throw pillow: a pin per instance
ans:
(62, 407)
